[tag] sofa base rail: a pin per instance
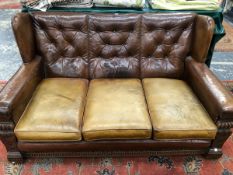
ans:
(113, 145)
(112, 148)
(114, 153)
(207, 153)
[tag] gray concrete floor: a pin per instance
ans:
(10, 61)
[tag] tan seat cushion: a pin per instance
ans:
(116, 109)
(175, 111)
(54, 112)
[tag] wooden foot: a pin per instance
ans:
(214, 153)
(215, 150)
(15, 157)
(8, 138)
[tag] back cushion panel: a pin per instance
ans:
(165, 43)
(114, 48)
(113, 45)
(62, 42)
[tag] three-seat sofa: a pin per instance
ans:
(113, 84)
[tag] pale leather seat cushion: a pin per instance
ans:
(55, 111)
(116, 109)
(175, 111)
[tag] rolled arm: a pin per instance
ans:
(217, 100)
(18, 91)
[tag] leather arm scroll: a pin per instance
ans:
(217, 100)
(18, 91)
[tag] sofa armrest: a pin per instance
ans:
(18, 91)
(217, 100)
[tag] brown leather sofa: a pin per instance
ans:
(113, 84)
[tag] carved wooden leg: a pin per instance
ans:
(8, 138)
(215, 150)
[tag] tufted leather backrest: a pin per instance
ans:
(62, 41)
(113, 45)
(166, 41)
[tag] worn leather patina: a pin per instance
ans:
(175, 111)
(55, 111)
(116, 109)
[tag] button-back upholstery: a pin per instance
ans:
(62, 42)
(165, 43)
(116, 45)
